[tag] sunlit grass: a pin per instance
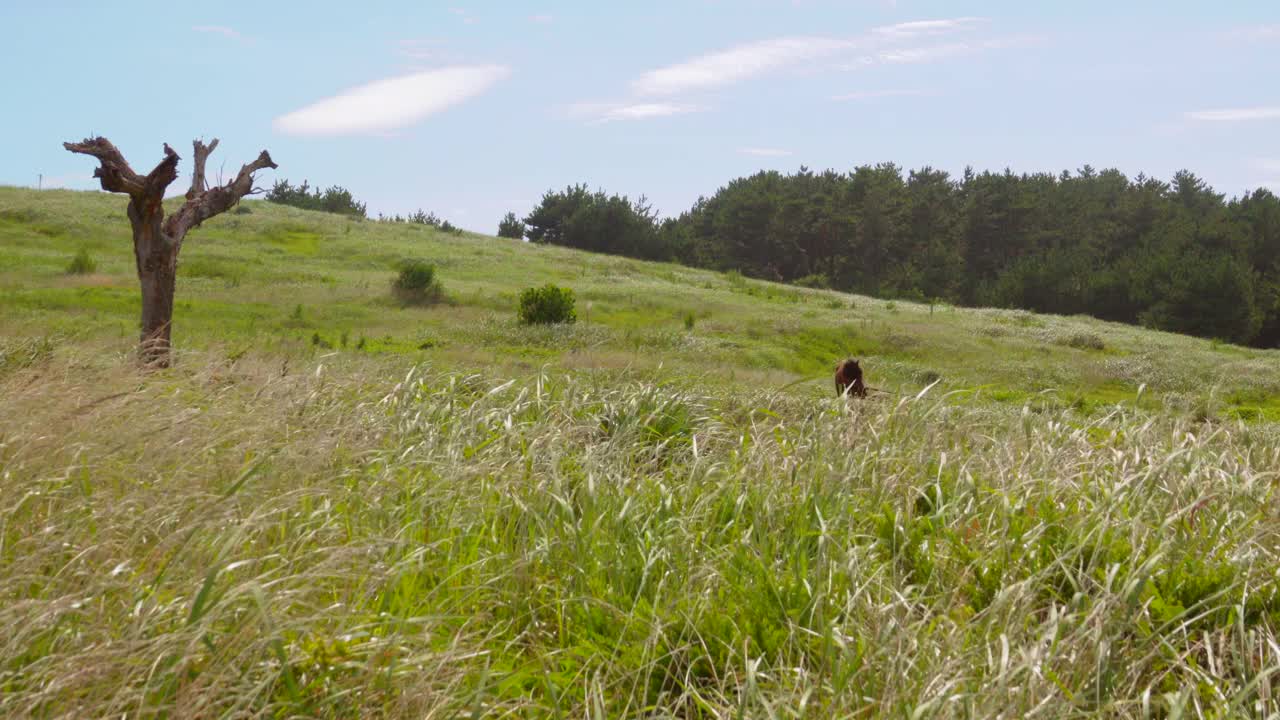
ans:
(335, 506)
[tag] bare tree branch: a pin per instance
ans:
(116, 175)
(202, 153)
(163, 174)
(214, 200)
(113, 170)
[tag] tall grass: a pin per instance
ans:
(275, 537)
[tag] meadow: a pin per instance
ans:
(337, 506)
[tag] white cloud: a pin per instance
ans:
(925, 28)
(540, 19)
(736, 63)
(218, 30)
(882, 45)
(1235, 114)
(923, 54)
(765, 152)
(933, 53)
(875, 94)
(748, 60)
(391, 103)
(605, 112)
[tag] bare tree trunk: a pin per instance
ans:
(157, 265)
(157, 240)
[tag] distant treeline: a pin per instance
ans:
(1170, 255)
(335, 200)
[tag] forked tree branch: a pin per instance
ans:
(215, 200)
(202, 152)
(116, 175)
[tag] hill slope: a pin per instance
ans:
(336, 506)
(280, 277)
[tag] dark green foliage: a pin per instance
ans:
(547, 304)
(689, 320)
(595, 221)
(511, 227)
(417, 284)
(82, 264)
(1175, 256)
(334, 200)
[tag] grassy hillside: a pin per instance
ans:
(336, 506)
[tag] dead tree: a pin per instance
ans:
(157, 239)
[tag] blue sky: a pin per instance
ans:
(470, 109)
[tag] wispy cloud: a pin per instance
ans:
(934, 53)
(392, 103)
(606, 112)
(736, 63)
(765, 152)
(1235, 114)
(876, 94)
(219, 30)
(540, 19)
(900, 43)
(879, 45)
(926, 28)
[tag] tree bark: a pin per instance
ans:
(201, 154)
(157, 264)
(158, 240)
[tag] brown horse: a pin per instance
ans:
(849, 379)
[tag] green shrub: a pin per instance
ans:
(511, 227)
(547, 304)
(689, 320)
(82, 264)
(417, 284)
(1083, 341)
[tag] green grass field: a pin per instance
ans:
(336, 506)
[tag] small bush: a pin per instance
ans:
(689, 320)
(82, 264)
(242, 209)
(449, 227)
(1083, 341)
(511, 227)
(417, 284)
(547, 304)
